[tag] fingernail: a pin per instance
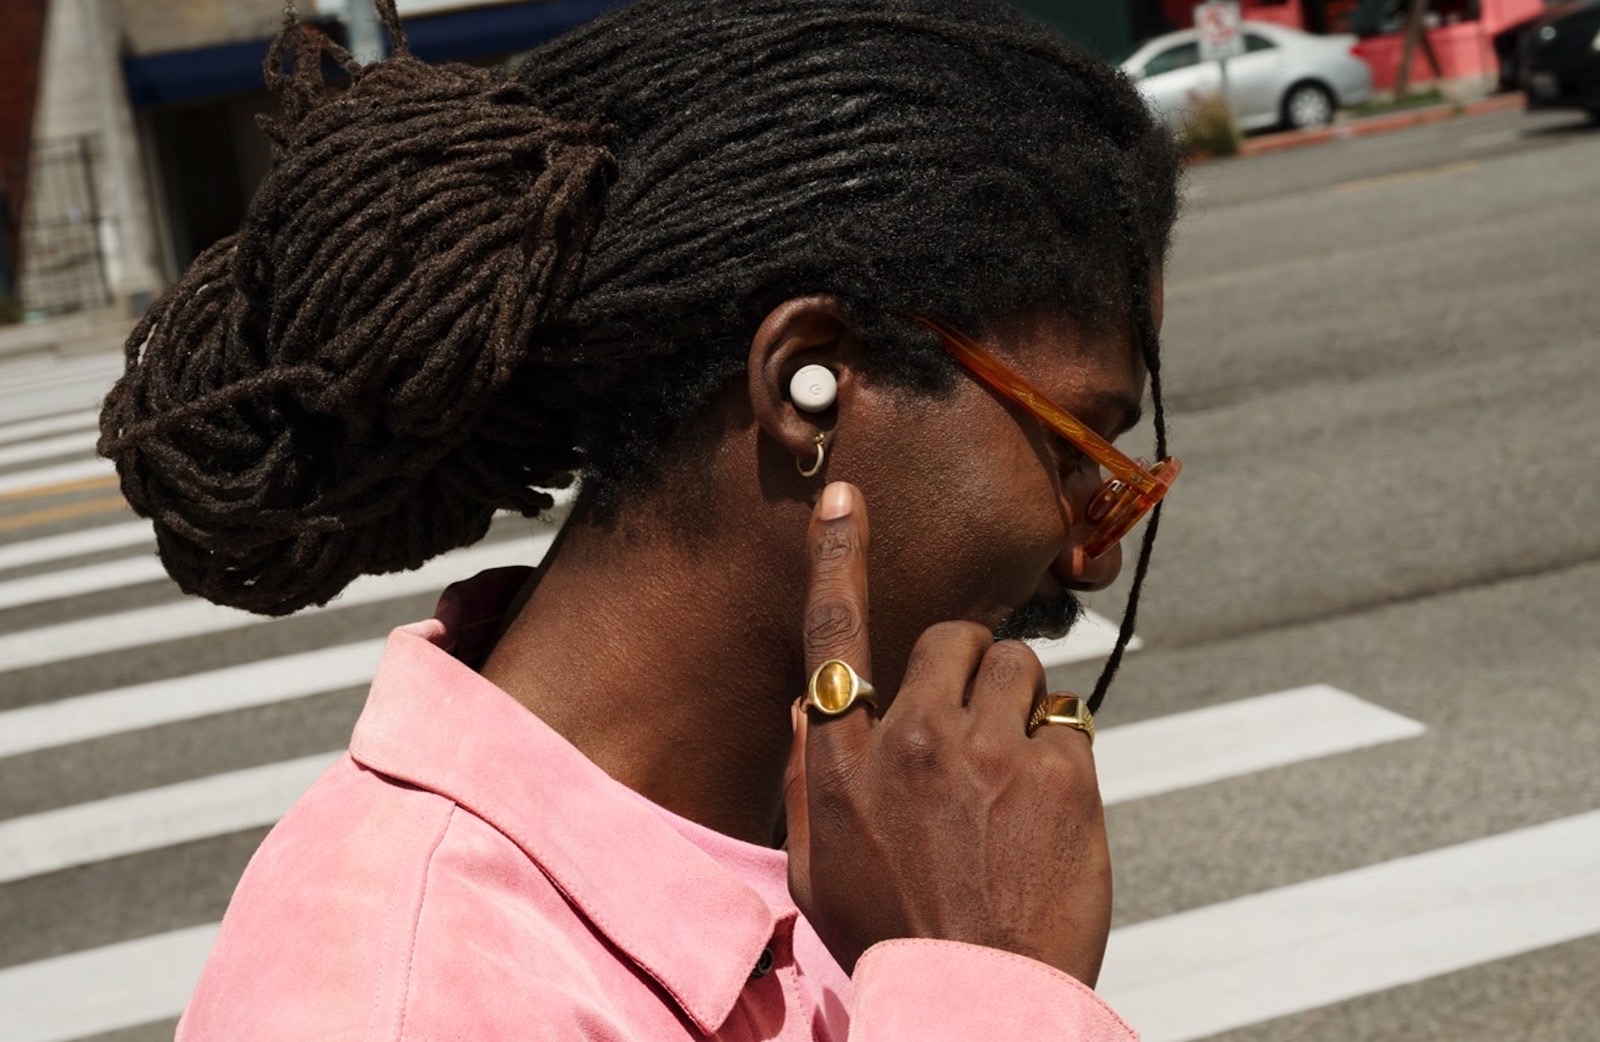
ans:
(835, 502)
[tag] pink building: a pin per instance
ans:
(1461, 31)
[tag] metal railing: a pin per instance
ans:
(63, 256)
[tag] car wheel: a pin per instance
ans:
(1308, 105)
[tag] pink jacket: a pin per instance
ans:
(465, 873)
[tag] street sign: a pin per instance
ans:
(1220, 25)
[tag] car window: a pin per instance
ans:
(1179, 57)
(1256, 42)
(1127, 52)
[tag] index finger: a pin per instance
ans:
(835, 620)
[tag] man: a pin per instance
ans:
(741, 269)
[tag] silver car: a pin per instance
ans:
(1285, 77)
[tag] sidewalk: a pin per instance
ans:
(1382, 123)
(65, 336)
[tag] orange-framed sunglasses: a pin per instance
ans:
(1135, 486)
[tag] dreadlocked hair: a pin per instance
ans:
(318, 396)
(424, 318)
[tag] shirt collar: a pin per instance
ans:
(669, 906)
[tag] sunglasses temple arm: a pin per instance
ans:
(1064, 423)
(1093, 446)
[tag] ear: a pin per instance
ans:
(800, 332)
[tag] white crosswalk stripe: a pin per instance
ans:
(1311, 944)
(1133, 761)
(154, 818)
(103, 713)
(103, 989)
(91, 376)
(21, 481)
(1152, 757)
(1179, 977)
(40, 394)
(76, 582)
(48, 448)
(87, 420)
(121, 536)
(249, 799)
(120, 631)
(30, 373)
(99, 634)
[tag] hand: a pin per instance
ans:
(942, 819)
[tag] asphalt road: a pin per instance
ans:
(1380, 358)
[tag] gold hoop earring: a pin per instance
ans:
(817, 464)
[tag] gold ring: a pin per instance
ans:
(1067, 710)
(835, 687)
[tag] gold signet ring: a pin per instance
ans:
(835, 687)
(1066, 710)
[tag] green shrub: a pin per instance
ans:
(1210, 130)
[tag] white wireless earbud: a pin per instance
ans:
(813, 388)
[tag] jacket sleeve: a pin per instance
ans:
(933, 991)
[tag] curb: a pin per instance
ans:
(1291, 139)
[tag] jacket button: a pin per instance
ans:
(763, 965)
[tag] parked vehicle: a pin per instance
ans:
(1285, 77)
(1560, 59)
(1508, 46)
(1508, 53)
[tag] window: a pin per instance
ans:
(1179, 57)
(1254, 42)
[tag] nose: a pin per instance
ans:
(1088, 575)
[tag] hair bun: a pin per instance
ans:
(319, 396)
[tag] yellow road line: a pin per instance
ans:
(61, 488)
(62, 513)
(1406, 175)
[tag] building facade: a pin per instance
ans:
(21, 37)
(143, 149)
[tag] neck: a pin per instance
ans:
(669, 661)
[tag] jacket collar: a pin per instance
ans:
(668, 905)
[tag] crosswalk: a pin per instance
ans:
(83, 602)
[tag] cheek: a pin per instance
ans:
(972, 523)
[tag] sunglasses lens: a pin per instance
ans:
(1119, 510)
(1105, 501)
(1118, 506)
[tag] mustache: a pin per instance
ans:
(1046, 616)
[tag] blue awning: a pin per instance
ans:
(175, 77)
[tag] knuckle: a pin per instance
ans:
(989, 754)
(1010, 665)
(1071, 773)
(967, 635)
(915, 745)
(831, 786)
(967, 632)
(835, 543)
(837, 799)
(1014, 658)
(943, 647)
(832, 622)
